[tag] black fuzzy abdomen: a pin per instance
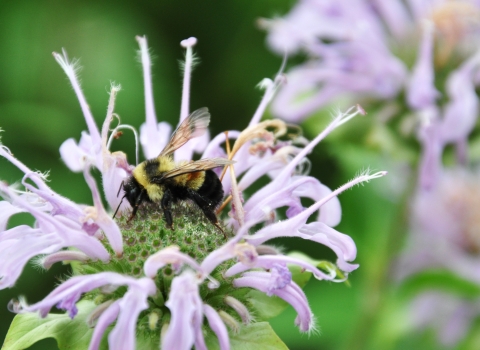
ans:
(178, 192)
(212, 188)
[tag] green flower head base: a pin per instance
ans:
(149, 286)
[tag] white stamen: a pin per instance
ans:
(6, 153)
(151, 118)
(356, 181)
(213, 283)
(129, 127)
(17, 306)
(339, 120)
(190, 42)
(71, 69)
(270, 89)
(114, 89)
(236, 199)
(265, 83)
(185, 105)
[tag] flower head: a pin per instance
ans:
(151, 281)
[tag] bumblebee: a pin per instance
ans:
(161, 180)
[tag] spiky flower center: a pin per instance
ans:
(145, 235)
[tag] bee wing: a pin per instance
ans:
(194, 125)
(198, 165)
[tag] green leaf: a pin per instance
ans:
(443, 280)
(252, 337)
(265, 307)
(26, 329)
(146, 342)
(472, 339)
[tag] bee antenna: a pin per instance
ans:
(113, 217)
(119, 189)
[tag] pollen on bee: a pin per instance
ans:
(195, 180)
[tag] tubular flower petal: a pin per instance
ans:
(290, 292)
(6, 211)
(184, 302)
(217, 325)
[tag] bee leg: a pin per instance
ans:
(132, 215)
(221, 229)
(135, 207)
(207, 209)
(166, 203)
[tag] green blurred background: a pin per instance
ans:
(38, 111)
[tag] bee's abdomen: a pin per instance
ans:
(211, 188)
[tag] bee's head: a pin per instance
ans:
(132, 190)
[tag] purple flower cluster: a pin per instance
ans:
(364, 49)
(361, 48)
(87, 235)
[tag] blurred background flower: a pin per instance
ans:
(414, 66)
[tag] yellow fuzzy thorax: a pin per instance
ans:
(166, 163)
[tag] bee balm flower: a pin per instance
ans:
(159, 287)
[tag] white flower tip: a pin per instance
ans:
(264, 23)
(375, 175)
(212, 282)
(140, 39)
(190, 42)
(115, 87)
(366, 176)
(265, 84)
(360, 110)
(5, 149)
(17, 306)
(71, 68)
(343, 117)
(44, 176)
(313, 329)
(61, 59)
